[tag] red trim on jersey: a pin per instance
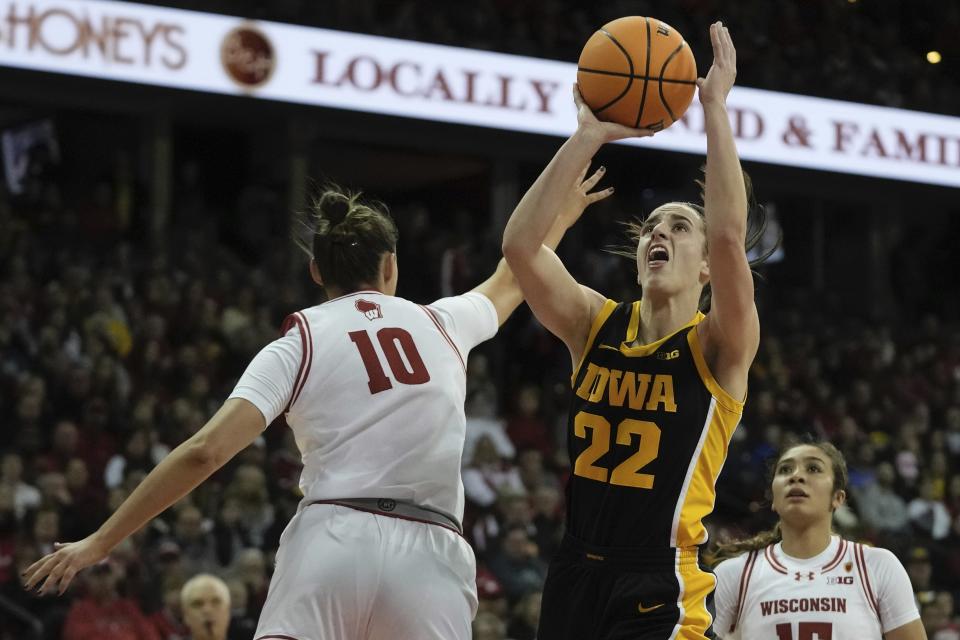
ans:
(744, 585)
(841, 550)
(266, 637)
(772, 559)
(308, 357)
(436, 321)
(868, 590)
(300, 320)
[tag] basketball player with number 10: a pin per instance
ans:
(373, 387)
(657, 386)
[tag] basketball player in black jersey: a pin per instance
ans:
(658, 387)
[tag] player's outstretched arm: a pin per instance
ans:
(502, 287)
(911, 631)
(231, 429)
(733, 323)
(563, 306)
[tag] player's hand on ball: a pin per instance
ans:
(55, 571)
(606, 131)
(715, 87)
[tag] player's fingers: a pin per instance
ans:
(577, 97)
(38, 570)
(583, 173)
(67, 578)
(52, 579)
(731, 50)
(594, 179)
(628, 132)
(596, 196)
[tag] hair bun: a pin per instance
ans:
(336, 210)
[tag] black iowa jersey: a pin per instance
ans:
(647, 435)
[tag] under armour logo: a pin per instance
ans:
(799, 575)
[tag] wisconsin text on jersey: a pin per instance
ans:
(797, 605)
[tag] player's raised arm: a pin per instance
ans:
(733, 323)
(563, 306)
(502, 287)
(231, 429)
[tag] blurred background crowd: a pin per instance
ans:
(111, 355)
(116, 344)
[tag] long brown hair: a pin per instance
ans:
(731, 548)
(346, 235)
(756, 227)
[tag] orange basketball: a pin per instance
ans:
(638, 72)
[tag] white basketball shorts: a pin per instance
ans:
(345, 574)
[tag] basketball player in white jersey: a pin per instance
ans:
(801, 582)
(373, 387)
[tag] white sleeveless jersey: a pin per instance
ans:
(848, 591)
(373, 387)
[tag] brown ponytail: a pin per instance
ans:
(347, 237)
(733, 548)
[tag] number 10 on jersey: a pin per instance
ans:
(407, 368)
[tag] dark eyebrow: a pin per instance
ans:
(674, 215)
(807, 458)
(680, 216)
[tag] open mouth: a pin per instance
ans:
(657, 255)
(797, 493)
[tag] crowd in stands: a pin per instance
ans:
(859, 51)
(114, 349)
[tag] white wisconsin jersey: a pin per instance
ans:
(848, 591)
(376, 399)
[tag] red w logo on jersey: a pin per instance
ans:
(369, 309)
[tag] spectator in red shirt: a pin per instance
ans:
(526, 427)
(103, 614)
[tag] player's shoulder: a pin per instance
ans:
(876, 556)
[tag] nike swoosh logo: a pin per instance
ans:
(606, 346)
(644, 609)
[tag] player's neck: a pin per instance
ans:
(333, 292)
(662, 315)
(805, 542)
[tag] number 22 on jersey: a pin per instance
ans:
(627, 473)
(407, 367)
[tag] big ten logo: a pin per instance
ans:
(840, 580)
(248, 56)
